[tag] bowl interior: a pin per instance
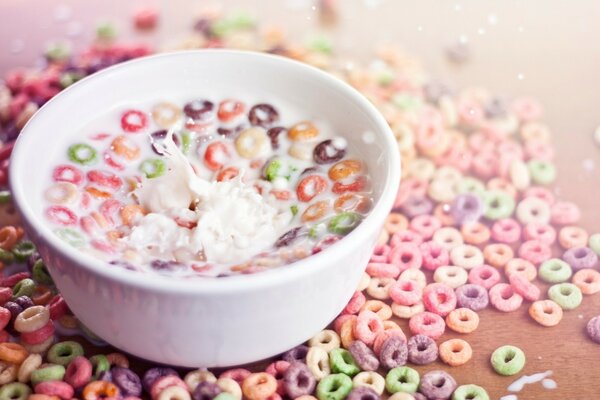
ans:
(197, 74)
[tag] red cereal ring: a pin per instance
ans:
(358, 185)
(104, 179)
(230, 109)
(227, 174)
(216, 155)
(39, 335)
(428, 324)
(352, 202)
(439, 298)
(5, 317)
(57, 307)
(310, 187)
(79, 372)
(133, 121)
(61, 215)
(67, 173)
(107, 156)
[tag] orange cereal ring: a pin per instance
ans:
(455, 352)
(165, 114)
(475, 233)
(130, 213)
(13, 353)
(100, 390)
(8, 237)
(572, 236)
(118, 359)
(20, 233)
(395, 222)
(462, 320)
(344, 169)
(302, 131)
(259, 386)
(352, 202)
(546, 312)
(383, 311)
(497, 254)
(347, 332)
(41, 295)
(587, 280)
(126, 148)
(315, 211)
(97, 193)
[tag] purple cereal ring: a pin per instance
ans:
(363, 356)
(394, 352)
(129, 382)
(153, 374)
(206, 391)
(593, 329)
(472, 296)
(414, 206)
(580, 258)
(466, 208)
(363, 393)
(434, 255)
(504, 298)
(437, 385)
(485, 276)
(298, 380)
(405, 256)
(298, 353)
(422, 350)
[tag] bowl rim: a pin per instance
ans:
(261, 280)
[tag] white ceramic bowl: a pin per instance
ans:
(219, 322)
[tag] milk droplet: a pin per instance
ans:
(549, 384)
(509, 397)
(517, 385)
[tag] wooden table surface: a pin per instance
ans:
(547, 49)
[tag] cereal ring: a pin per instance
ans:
(472, 296)
(414, 275)
(334, 387)
(533, 210)
(580, 258)
(134, 121)
(587, 280)
(15, 391)
(62, 193)
(437, 385)
(506, 231)
(434, 255)
(357, 185)
(425, 225)
(555, 270)
(455, 352)
(395, 222)
(31, 319)
(298, 380)
(503, 298)
(406, 312)
(498, 205)
(466, 208)
(352, 202)
(315, 211)
(462, 320)
(364, 357)
(329, 151)
(497, 254)
(8, 237)
(303, 131)
(301, 151)
(566, 295)
(422, 350)
(55, 388)
(475, 233)
(546, 312)
(383, 311)
(252, 143)
(448, 238)
(385, 335)
(31, 363)
(508, 360)
(367, 327)
(428, 324)
(82, 154)
(12, 353)
(97, 390)
(451, 275)
(231, 387)
(67, 173)
(541, 232)
(405, 292)
(470, 392)
(216, 155)
(229, 109)
(317, 361)
(379, 288)
(298, 353)
(326, 339)
(62, 353)
(416, 205)
(593, 329)
(394, 352)
(572, 236)
(345, 169)
(402, 379)
(520, 267)
(165, 114)
(371, 380)
(310, 187)
(263, 115)
(466, 256)
(439, 298)
(79, 372)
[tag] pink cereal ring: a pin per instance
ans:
(541, 193)
(543, 233)
(55, 388)
(341, 320)
(61, 215)
(79, 372)
(504, 298)
(485, 276)
(410, 187)
(434, 255)
(5, 316)
(109, 208)
(439, 298)
(405, 292)
(425, 225)
(380, 253)
(39, 335)
(57, 307)
(406, 256)
(277, 369)
(564, 213)
(385, 335)
(133, 121)
(382, 270)
(368, 326)
(105, 179)
(428, 324)
(406, 236)
(164, 382)
(524, 288)
(535, 251)
(355, 304)
(506, 231)
(237, 374)
(67, 173)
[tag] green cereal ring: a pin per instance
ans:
(221, 396)
(542, 172)
(341, 361)
(23, 250)
(40, 273)
(186, 142)
(106, 31)
(566, 295)
(82, 154)
(5, 197)
(402, 379)
(59, 51)
(63, 353)
(153, 168)
(6, 256)
(508, 360)
(69, 78)
(100, 364)
(594, 243)
(24, 287)
(469, 185)
(14, 391)
(555, 270)
(272, 169)
(321, 44)
(470, 392)
(344, 222)
(71, 236)
(49, 373)
(498, 205)
(334, 387)
(232, 23)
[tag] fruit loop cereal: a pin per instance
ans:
(475, 224)
(220, 191)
